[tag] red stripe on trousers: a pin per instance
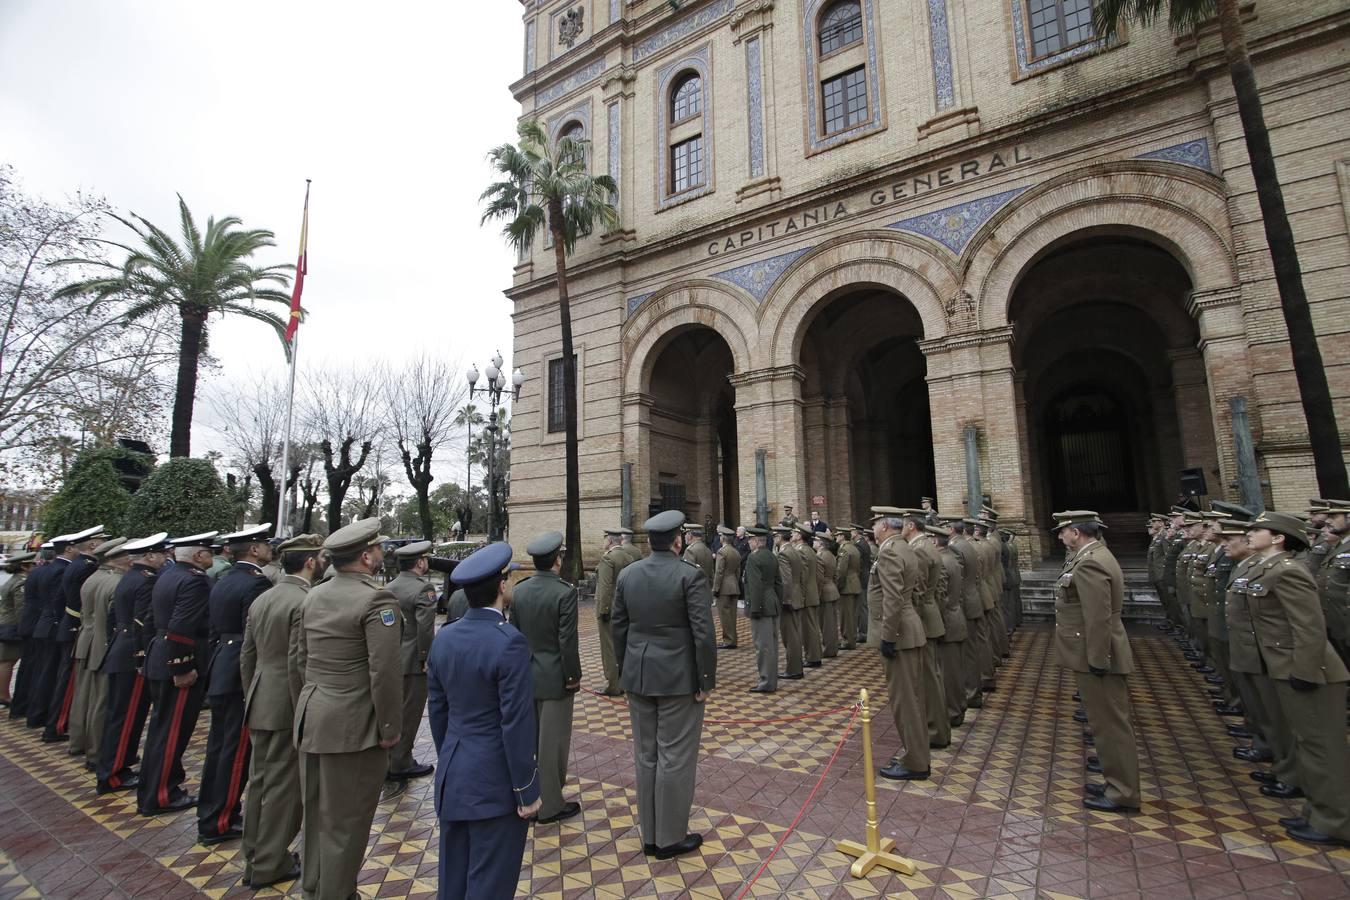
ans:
(236, 776)
(128, 723)
(63, 720)
(163, 794)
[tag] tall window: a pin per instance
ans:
(1059, 24)
(574, 131)
(686, 164)
(687, 98)
(844, 100)
(557, 396)
(841, 26)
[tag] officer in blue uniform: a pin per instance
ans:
(66, 611)
(31, 696)
(128, 694)
(481, 706)
(225, 770)
(176, 654)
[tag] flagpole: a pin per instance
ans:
(293, 338)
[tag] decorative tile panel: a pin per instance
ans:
(577, 79)
(614, 11)
(635, 302)
(529, 46)
(755, 104)
(944, 90)
(758, 277)
(954, 226)
(682, 28)
(813, 79)
(1022, 45)
(1191, 153)
(614, 149)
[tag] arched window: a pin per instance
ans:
(573, 131)
(840, 26)
(686, 99)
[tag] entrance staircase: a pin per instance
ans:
(1142, 605)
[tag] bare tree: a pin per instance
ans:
(345, 411)
(251, 417)
(424, 399)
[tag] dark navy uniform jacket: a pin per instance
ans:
(234, 592)
(178, 604)
(481, 706)
(42, 584)
(127, 637)
(72, 579)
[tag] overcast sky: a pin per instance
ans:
(389, 108)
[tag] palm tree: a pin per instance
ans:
(206, 273)
(467, 417)
(1185, 16)
(545, 185)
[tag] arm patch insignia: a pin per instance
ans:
(387, 617)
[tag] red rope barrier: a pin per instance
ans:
(811, 715)
(848, 730)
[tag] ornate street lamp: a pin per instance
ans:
(496, 384)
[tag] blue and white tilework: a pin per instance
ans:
(1022, 45)
(613, 149)
(954, 226)
(1191, 153)
(578, 78)
(529, 46)
(635, 302)
(944, 90)
(682, 28)
(758, 277)
(755, 104)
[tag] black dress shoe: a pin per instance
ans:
(1293, 822)
(568, 811)
(988, 688)
(1202, 668)
(1310, 835)
(1251, 755)
(1237, 731)
(897, 772)
(1264, 777)
(1191, 655)
(1282, 791)
(1077, 697)
(796, 677)
(1089, 740)
(393, 789)
(1101, 804)
(210, 840)
(726, 646)
(419, 770)
(1094, 765)
(935, 746)
(649, 849)
(608, 693)
(958, 721)
(1095, 790)
(1225, 710)
(178, 804)
(55, 738)
(813, 665)
(761, 690)
(1079, 716)
(259, 883)
(1214, 679)
(128, 784)
(977, 703)
(688, 845)
(1215, 693)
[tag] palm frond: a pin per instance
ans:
(1183, 16)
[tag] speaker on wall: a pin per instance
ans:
(1193, 482)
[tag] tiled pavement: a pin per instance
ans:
(1001, 816)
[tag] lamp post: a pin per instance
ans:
(496, 384)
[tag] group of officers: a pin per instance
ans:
(1260, 605)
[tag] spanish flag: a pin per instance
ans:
(301, 268)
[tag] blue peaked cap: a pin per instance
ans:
(483, 563)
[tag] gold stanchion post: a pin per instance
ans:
(877, 850)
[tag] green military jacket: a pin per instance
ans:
(634, 552)
(972, 602)
(726, 577)
(1333, 587)
(269, 664)
(1175, 547)
(1315, 555)
(1200, 560)
(891, 588)
(417, 609)
(1243, 654)
(11, 602)
(701, 555)
(1182, 574)
(927, 582)
(456, 606)
(1217, 576)
(1089, 596)
(987, 563)
(763, 584)
(612, 562)
(793, 591)
(544, 609)
(1291, 633)
(826, 566)
(810, 575)
(847, 570)
(953, 590)
(91, 644)
(664, 643)
(348, 660)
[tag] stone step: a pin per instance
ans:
(1142, 605)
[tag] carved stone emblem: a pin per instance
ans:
(571, 25)
(960, 308)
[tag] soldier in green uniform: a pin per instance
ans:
(955, 628)
(726, 583)
(416, 597)
(1012, 580)
(1090, 640)
(1333, 578)
(349, 711)
(667, 651)
(272, 682)
(612, 562)
(900, 638)
(544, 609)
(974, 653)
(826, 567)
(1216, 578)
(790, 567)
(763, 602)
(1310, 679)
(863, 542)
(1201, 556)
(90, 705)
(18, 565)
(1320, 543)
(1176, 545)
(929, 586)
(846, 579)
(802, 538)
(629, 545)
(789, 520)
(696, 551)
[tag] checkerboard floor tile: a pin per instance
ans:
(1001, 816)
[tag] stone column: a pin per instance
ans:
(1194, 419)
(838, 464)
(637, 450)
(1228, 371)
(617, 90)
(769, 415)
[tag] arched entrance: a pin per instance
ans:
(1116, 401)
(868, 431)
(693, 428)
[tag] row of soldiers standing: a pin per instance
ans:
(1259, 605)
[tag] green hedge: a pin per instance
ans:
(183, 496)
(92, 494)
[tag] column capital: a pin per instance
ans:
(1003, 334)
(1198, 302)
(618, 84)
(751, 19)
(774, 373)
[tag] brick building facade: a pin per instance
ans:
(863, 239)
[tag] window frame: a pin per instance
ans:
(1032, 55)
(672, 187)
(820, 21)
(820, 68)
(670, 133)
(685, 77)
(867, 106)
(558, 437)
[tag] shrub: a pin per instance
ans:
(183, 496)
(92, 494)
